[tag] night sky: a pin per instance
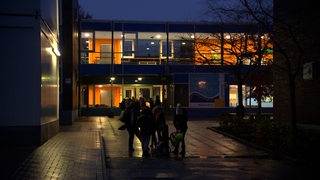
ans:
(146, 10)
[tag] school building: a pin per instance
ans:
(196, 64)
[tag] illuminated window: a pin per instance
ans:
(247, 100)
(87, 39)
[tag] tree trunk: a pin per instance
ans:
(293, 106)
(240, 107)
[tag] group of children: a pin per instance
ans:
(149, 125)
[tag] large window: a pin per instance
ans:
(86, 46)
(107, 95)
(100, 95)
(166, 49)
(148, 48)
(183, 49)
(128, 48)
(86, 42)
(247, 100)
(194, 48)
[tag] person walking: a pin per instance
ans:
(180, 123)
(162, 131)
(131, 123)
(146, 124)
(159, 120)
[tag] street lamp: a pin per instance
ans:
(111, 90)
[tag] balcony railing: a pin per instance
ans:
(96, 58)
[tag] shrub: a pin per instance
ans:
(275, 135)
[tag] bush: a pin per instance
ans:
(276, 136)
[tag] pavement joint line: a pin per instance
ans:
(103, 159)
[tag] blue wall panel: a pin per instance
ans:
(181, 69)
(94, 69)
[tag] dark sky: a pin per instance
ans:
(146, 10)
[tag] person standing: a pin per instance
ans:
(157, 101)
(180, 123)
(151, 103)
(131, 123)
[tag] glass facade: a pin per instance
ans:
(164, 44)
(155, 47)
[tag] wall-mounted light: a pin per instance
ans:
(139, 78)
(56, 51)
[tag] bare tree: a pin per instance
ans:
(83, 14)
(290, 49)
(291, 41)
(247, 48)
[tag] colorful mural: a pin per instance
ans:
(205, 89)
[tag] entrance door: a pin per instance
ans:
(129, 92)
(145, 92)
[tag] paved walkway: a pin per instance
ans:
(201, 141)
(94, 148)
(76, 152)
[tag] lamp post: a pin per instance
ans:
(111, 91)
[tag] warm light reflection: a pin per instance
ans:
(56, 51)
